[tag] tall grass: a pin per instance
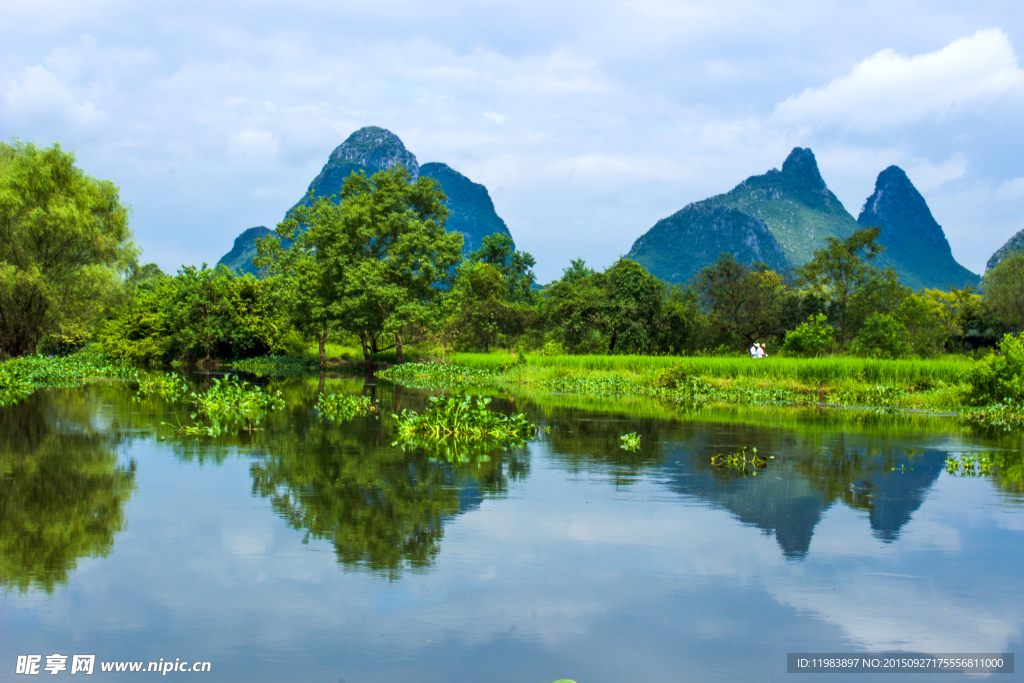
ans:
(811, 371)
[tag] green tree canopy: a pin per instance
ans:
(515, 266)
(746, 302)
(1003, 289)
(839, 270)
(371, 260)
(65, 246)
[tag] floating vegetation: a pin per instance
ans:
(435, 374)
(598, 386)
(230, 405)
(344, 406)
(231, 395)
(19, 377)
(166, 385)
(1007, 416)
(630, 442)
(275, 365)
(969, 465)
(464, 417)
(459, 449)
(745, 461)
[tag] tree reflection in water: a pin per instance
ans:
(62, 491)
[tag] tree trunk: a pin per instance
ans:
(323, 350)
(367, 356)
(399, 356)
(373, 344)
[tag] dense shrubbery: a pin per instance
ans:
(199, 313)
(811, 338)
(999, 377)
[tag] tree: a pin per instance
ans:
(953, 311)
(634, 307)
(199, 313)
(576, 307)
(479, 307)
(514, 266)
(65, 247)
(372, 260)
(746, 301)
(839, 270)
(1003, 289)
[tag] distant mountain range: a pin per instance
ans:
(1014, 244)
(780, 218)
(372, 149)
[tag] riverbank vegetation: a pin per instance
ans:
(372, 278)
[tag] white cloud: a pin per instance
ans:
(38, 93)
(889, 88)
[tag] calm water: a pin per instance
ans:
(315, 551)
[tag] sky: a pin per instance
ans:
(587, 121)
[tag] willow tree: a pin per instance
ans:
(65, 247)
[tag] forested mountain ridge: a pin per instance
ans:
(369, 149)
(781, 217)
(472, 211)
(239, 259)
(700, 232)
(372, 149)
(914, 242)
(1014, 244)
(778, 218)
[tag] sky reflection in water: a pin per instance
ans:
(315, 551)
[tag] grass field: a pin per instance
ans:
(810, 371)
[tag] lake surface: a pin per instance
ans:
(319, 551)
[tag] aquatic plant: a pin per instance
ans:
(275, 365)
(969, 465)
(19, 377)
(630, 442)
(1007, 415)
(435, 374)
(230, 404)
(166, 385)
(232, 396)
(463, 416)
(344, 406)
(745, 461)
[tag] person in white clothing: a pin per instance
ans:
(753, 351)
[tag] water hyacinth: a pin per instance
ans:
(344, 406)
(19, 377)
(166, 385)
(463, 416)
(630, 442)
(1007, 416)
(435, 374)
(744, 462)
(229, 405)
(230, 396)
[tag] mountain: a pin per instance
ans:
(372, 149)
(680, 245)
(914, 243)
(1015, 243)
(472, 211)
(782, 217)
(369, 149)
(239, 259)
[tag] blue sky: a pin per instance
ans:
(587, 121)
